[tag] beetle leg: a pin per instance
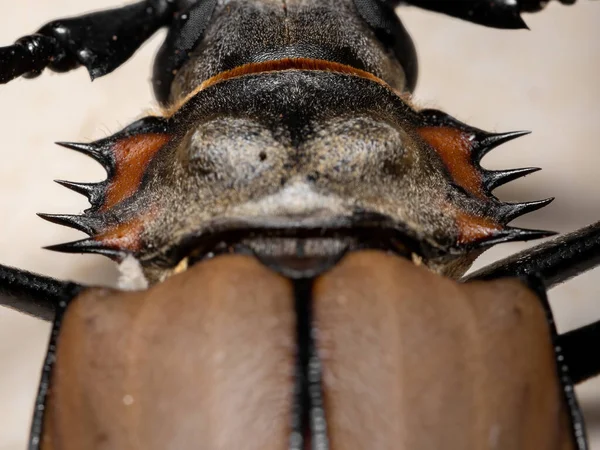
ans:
(555, 261)
(45, 298)
(45, 379)
(100, 41)
(491, 13)
(581, 352)
(384, 22)
(34, 294)
(185, 32)
(566, 373)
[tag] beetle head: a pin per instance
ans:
(297, 166)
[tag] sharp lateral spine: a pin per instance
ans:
(94, 150)
(485, 143)
(526, 234)
(520, 24)
(511, 234)
(87, 224)
(92, 191)
(85, 246)
(495, 178)
(511, 211)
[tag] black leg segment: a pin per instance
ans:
(100, 41)
(563, 368)
(581, 348)
(555, 261)
(185, 32)
(387, 27)
(33, 294)
(37, 423)
(491, 13)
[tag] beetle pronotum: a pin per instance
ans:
(448, 107)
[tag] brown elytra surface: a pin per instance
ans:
(204, 360)
(410, 360)
(415, 361)
(544, 80)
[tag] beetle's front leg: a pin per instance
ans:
(491, 13)
(100, 41)
(33, 294)
(581, 351)
(45, 298)
(555, 261)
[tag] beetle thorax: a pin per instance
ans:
(243, 32)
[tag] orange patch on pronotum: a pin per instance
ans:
(474, 228)
(132, 156)
(454, 147)
(125, 236)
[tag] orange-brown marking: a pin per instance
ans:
(277, 66)
(473, 228)
(125, 236)
(454, 147)
(132, 156)
(289, 64)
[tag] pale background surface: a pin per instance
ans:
(545, 80)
